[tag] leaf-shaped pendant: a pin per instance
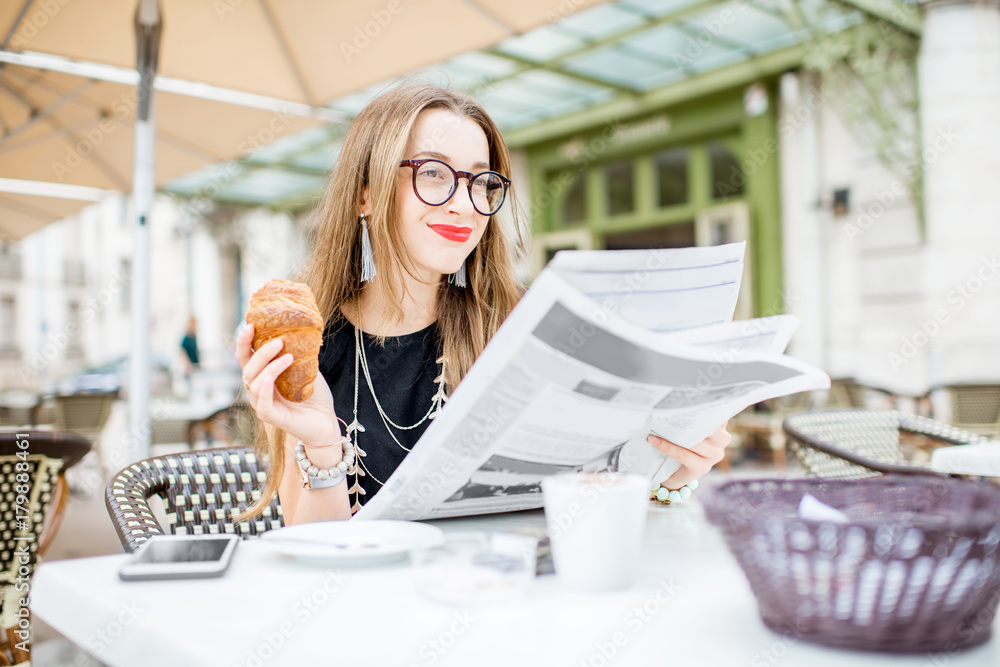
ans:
(355, 507)
(355, 427)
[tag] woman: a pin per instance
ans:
(409, 252)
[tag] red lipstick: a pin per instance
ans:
(459, 234)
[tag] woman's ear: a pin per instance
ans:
(366, 209)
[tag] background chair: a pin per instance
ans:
(199, 491)
(861, 443)
(763, 421)
(85, 414)
(976, 408)
(230, 426)
(19, 408)
(171, 431)
(29, 521)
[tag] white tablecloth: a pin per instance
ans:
(979, 459)
(692, 608)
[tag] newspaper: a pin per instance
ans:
(603, 349)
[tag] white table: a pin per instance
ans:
(981, 459)
(692, 608)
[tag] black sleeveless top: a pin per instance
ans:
(402, 373)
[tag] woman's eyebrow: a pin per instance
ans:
(445, 158)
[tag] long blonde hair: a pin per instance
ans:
(467, 318)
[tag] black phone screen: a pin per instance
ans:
(183, 551)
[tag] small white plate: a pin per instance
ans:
(352, 542)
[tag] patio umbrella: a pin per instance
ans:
(304, 51)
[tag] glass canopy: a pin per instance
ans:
(600, 56)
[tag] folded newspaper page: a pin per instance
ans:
(603, 349)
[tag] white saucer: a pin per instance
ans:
(352, 542)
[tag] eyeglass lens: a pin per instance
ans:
(436, 183)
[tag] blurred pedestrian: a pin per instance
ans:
(189, 343)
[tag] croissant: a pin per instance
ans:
(287, 310)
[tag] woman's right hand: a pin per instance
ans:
(313, 420)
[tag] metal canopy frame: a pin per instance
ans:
(544, 84)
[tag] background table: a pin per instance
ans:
(692, 607)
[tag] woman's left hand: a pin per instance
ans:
(696, 461)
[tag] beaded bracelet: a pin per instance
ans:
(314, 477)
(665, 496)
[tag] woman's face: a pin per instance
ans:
(437, 239)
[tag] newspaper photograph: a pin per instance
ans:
(605, 348)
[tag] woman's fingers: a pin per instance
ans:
(687, 457)
(263, 386)
(696, 461)
(243, 343)
(680, 478)
(260, 359)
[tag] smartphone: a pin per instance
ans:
(180, 557)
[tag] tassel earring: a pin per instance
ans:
(458, 278)
(367, 256)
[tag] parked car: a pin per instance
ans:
(113, 376)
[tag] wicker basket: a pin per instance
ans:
(915, 569)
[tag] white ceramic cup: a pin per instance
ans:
(596, 522)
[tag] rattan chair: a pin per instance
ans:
(33, 493)
(861, 443)
(85, 413)
(199, 490)
(976, 408)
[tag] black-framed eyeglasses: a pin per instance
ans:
(435, 182)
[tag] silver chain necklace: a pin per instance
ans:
(356, 427)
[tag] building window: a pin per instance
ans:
(574, 209)
(74, 346)
(728, 179)
(126, 279)
(620, 179)
(672, 176)
(677, 235)
(8, 323)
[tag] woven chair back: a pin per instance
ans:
(976, 408)
(199, 490)
(30, 464)
(862, 443)
(85, 414)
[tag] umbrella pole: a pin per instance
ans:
(148, 26)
